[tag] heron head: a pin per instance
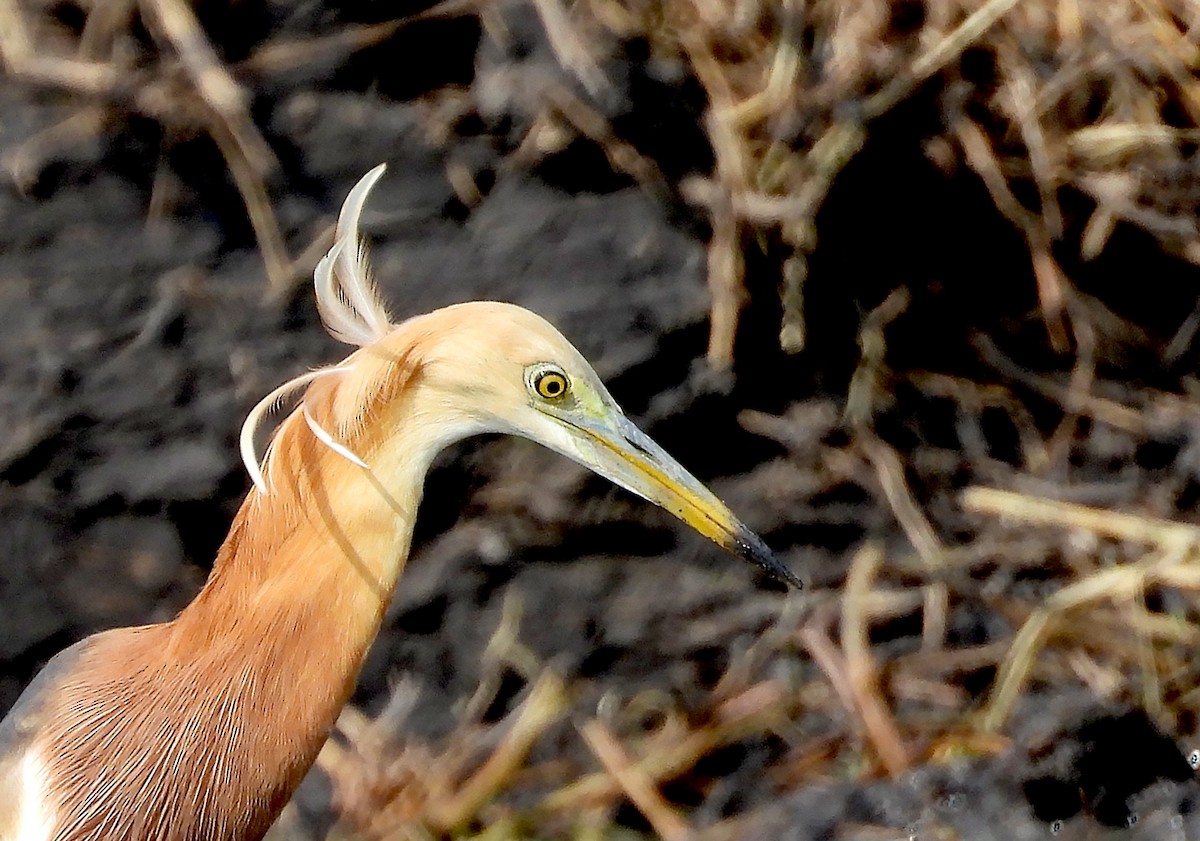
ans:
(493, 367)
(472, 368)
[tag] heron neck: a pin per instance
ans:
(299, 590)
(315, 560)
(239, 691)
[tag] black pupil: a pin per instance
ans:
(552, 385)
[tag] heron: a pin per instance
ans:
(201, 727)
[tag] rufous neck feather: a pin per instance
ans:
(237, 694)
(201, 727)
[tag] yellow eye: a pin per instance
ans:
(550, 385)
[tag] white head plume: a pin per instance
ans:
(347, 299)
(254, 465)
(352, 312)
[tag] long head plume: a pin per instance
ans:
(347, 298)
(351, 310)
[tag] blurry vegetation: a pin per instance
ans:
(1047, 103)
(1021, 510)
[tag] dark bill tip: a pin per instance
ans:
(750, 546)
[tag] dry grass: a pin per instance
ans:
(1098, 98)
(388, 787)
(1172, 560)
(177, 80)
(883, 714)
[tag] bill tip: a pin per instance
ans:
(755, 550)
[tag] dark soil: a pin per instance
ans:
(133, 343)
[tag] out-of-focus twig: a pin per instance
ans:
(571, 50)
(748, 712)
(545, 704)
(1052, 512)
(1174, 560)
(641, 790)
(939, 55)
(860, 664)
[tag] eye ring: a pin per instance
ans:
(550, 384)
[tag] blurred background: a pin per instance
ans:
(913, 285)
